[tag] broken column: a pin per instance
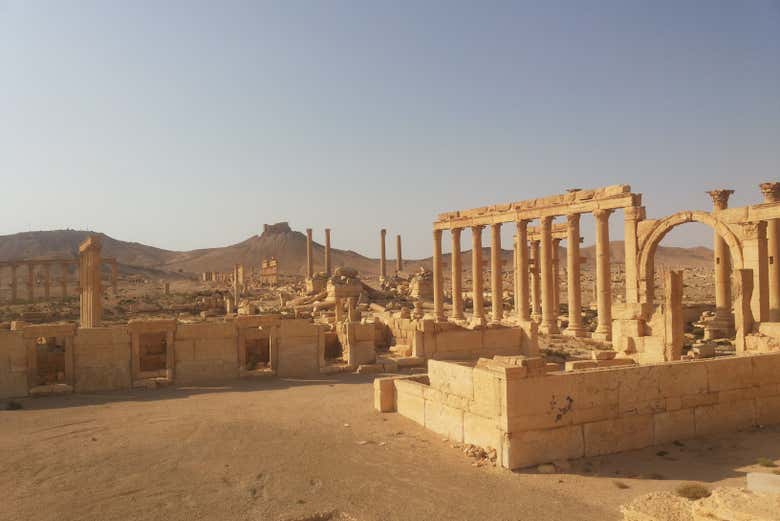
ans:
(476, 275)
(549, 323)
(771, 193)
(90, 283)
(673, 318)
(603, 276)
(457, 276)
(327, 252)
(399, 262)
(496, 290)
(721, 325)
(522, 305)
(574, 290)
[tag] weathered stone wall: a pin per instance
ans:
(205, 352)
(300, 349)
(562, 415)
(102, 359)
(13, 364)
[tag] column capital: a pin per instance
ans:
(437, 233)
(556, 241)
(477, 227)
(455, 231)
(496, 226)
(572, 218)
(383, 232)
(602, 213)
(720, 198)
(547, 219)
(771, 192)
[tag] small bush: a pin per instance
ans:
(766, 462)
(692, 491)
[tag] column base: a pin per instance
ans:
(477, 322)
(549, 329)
(577, 332)
(601, 336)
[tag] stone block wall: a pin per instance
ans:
(562, 415)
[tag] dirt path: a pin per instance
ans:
(275, 449)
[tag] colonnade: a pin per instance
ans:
(536, 274)
(46, 281)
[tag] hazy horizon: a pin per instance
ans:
(189, 125)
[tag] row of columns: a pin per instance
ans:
(399, 263)
(536, 275)
(47, 278)
(771, 192)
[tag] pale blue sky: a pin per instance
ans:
(190, 124)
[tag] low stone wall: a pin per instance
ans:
(450, 341)
(102, 359)
(533, 417)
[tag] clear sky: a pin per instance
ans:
(190, 124)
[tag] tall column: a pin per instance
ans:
(438, 279)
(46, 280)
(327, 252)
(556, 264)
(382, 260)
(549, 323)
(30, 281)
(309, 255)
(399, 261)
(603, 276)
(64, 279)
(14, 296)
(536, 308)
(631, 216)
(720, 201)
(90, 283)
(574, 291)
(476, 275)
(522, 306)
(496, 289)
(771, 193)
(457, 276)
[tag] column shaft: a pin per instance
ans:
(536, 309)
(549, 317)
(476, 274)
(457, 276)
(327, 252)
(399, 261)
(522, 305)
(603, 276)
(496, 290)
(438, 279)
(309, 255)
(574, 289)
(382, 260)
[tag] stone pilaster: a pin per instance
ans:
(457, 276)
(496, 290)
(574, 289)
(603, 276)
(522, 304)
(771, 193)
(478, 289)
(438, 278)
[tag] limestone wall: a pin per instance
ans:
(102, 359)
(561, 415)
(205, 352)
(13, 364)
(300, 349)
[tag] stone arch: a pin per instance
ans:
(661, 227)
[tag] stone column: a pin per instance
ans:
(536, 308)
(438, 278)
(327, 252)
(496, 289)
(723, 317)
(309, 255)
(754, 252)
(64, 279)
(673, 319)
(522, 305)
(771, 193)
(603, 276)
(574, 292)
(457, 276)
(476, 275)
(14, 296)
(549, 323)
(631, 216)
(399, 261)
(556, 264)
(30, 281)
(46, 280)
(90, 283)
(382, 260)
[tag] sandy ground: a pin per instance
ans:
(269, 449)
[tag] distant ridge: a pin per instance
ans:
(277, 240)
